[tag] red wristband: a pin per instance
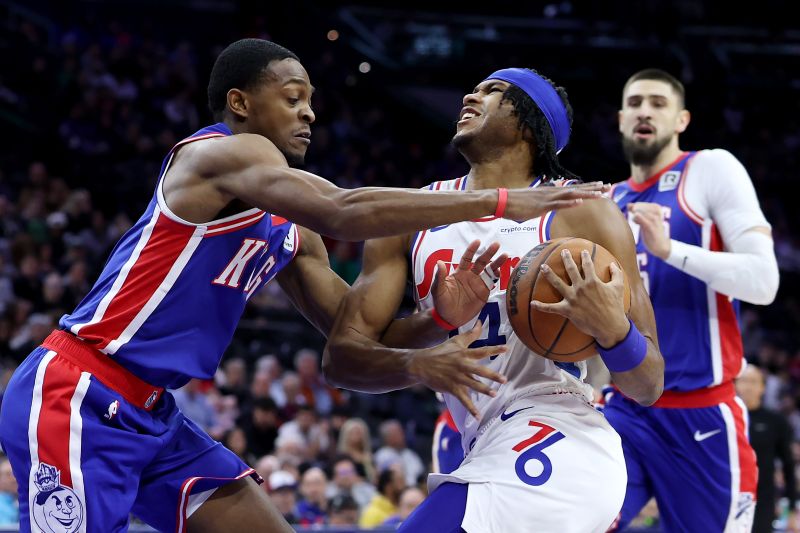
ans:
(441, 322)
(502, 200)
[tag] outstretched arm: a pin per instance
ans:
(596, 307)
(354, 358)
(250, 169)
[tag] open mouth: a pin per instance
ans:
(468, 113)
(65, 522)
(644, 131)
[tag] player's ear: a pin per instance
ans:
(237, 103)
(684, 117)
(619, 120)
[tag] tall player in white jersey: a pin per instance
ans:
(702, 243)
(539, 457)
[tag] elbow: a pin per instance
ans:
(330, 370)
(651, 395)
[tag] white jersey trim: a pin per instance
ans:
(159, 294)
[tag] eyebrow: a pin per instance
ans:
(301, 81)
(489, 86)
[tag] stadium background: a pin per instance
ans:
(93, 94)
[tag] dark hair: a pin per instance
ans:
(660, 75)
(265, 404)
(385, 479)
(342, 502)
(545, 162)
(242, 65)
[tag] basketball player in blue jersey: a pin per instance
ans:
(538, 456)
(90, 431)
(702, 244)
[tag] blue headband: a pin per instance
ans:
(544, 95)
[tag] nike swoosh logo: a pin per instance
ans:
(505, 416)
(700, 437)
(620, 196)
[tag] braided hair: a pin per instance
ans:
(545, 162)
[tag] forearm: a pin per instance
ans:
(644, 383)
(418, 330)
(368, 213)
(356, 362)
(751, 276)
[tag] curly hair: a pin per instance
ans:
(545, 162)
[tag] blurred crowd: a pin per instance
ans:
(91, 106)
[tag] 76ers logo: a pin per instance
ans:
(56, 507)
(446, 255)
(538, 442)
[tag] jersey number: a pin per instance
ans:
(536, 453)
(489, 316)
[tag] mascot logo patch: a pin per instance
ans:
(56, 508)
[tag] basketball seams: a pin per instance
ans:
(556, 246)
(564, 326)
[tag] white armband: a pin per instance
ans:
(748, 272)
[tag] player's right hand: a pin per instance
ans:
(525, 204)
(458, 297)
(452, 367)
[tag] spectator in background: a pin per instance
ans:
(355, 441)
(234, 379)
(347, 480)
(394, 450)
(282, 490)
(307, 427)
(410, 498)
(265, 466)
(313, 386)
(312, 508)
(343, 511)
(771, 438)
(9, 507)
(288, 397)
(261, 426)
(391, 483)
(236, 441)
(194, 403)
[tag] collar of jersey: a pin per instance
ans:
(649, 182)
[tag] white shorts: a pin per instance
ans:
(548, 463)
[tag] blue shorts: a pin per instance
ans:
(87, 452)
(695, 460)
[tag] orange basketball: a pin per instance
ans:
(549, 334)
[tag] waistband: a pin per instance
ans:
(708, 397)
(105, 369)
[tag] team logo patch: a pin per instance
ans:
(56, 508)
(669, 181)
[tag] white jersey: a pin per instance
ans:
(528, 373)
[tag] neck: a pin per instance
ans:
(509, 172)
(752, 405)
(641, 173)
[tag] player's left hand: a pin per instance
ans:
(460, 296)
(654, 232)
(595, 307)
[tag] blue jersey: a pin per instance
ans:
(698, 328)
(171, 294)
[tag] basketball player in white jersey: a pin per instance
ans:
(539, 457)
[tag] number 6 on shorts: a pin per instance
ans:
(536, 453)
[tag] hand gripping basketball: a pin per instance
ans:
(558, 309)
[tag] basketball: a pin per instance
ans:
(549, 334)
